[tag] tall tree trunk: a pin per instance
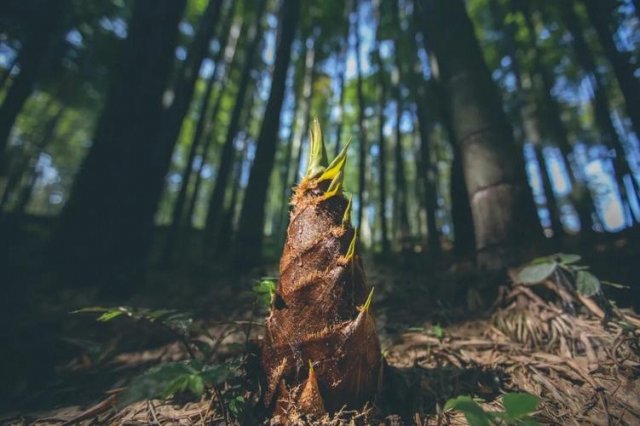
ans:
(106, 227)
(342, 76)
(401, 203)
(382, 157)
(44, 26)
(225, 233)
(178, 220)
(225, 162)
(599, 12)
(225, 238)
(503, 214)
(400, 198)
(251, 224)
(208, 134)
(429, 172)
(362, 132)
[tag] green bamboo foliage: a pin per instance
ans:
(321, 349)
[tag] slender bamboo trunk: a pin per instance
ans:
(252, 216)
(183, 90)
(225, 163)
(307, 95)
(225, 239)
(342, 75)
(302, 70)
(362, 132)
(429, 172)
(382, 157)
(231, 198)
(209, 134)
(178, 220)
(400, 198)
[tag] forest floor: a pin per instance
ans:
(440, 340)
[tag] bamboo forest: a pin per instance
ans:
(320, 212)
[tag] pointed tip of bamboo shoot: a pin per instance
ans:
(346, 217)
(310, 399)
(318, 161)
(367, 303)
(337, 165)
(351, 251)
(335, 187)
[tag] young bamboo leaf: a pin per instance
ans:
(335, 187)
(336, 166)
(346, 217)
(351, 251)
(367, 303)
(317, 154)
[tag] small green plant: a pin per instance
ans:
(438, 331)
(167, 379)
(179, 324)
(518, 407)
(542, 268)
(265, 290)
(190, 377)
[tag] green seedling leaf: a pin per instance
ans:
(536, 273)
(438, 331)
(265, 290)
(236, 405)
(519, 404)
(108, 316)
(543, 259)
(474, 414)
(566, 259)
(587, 284)
(615, 285)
